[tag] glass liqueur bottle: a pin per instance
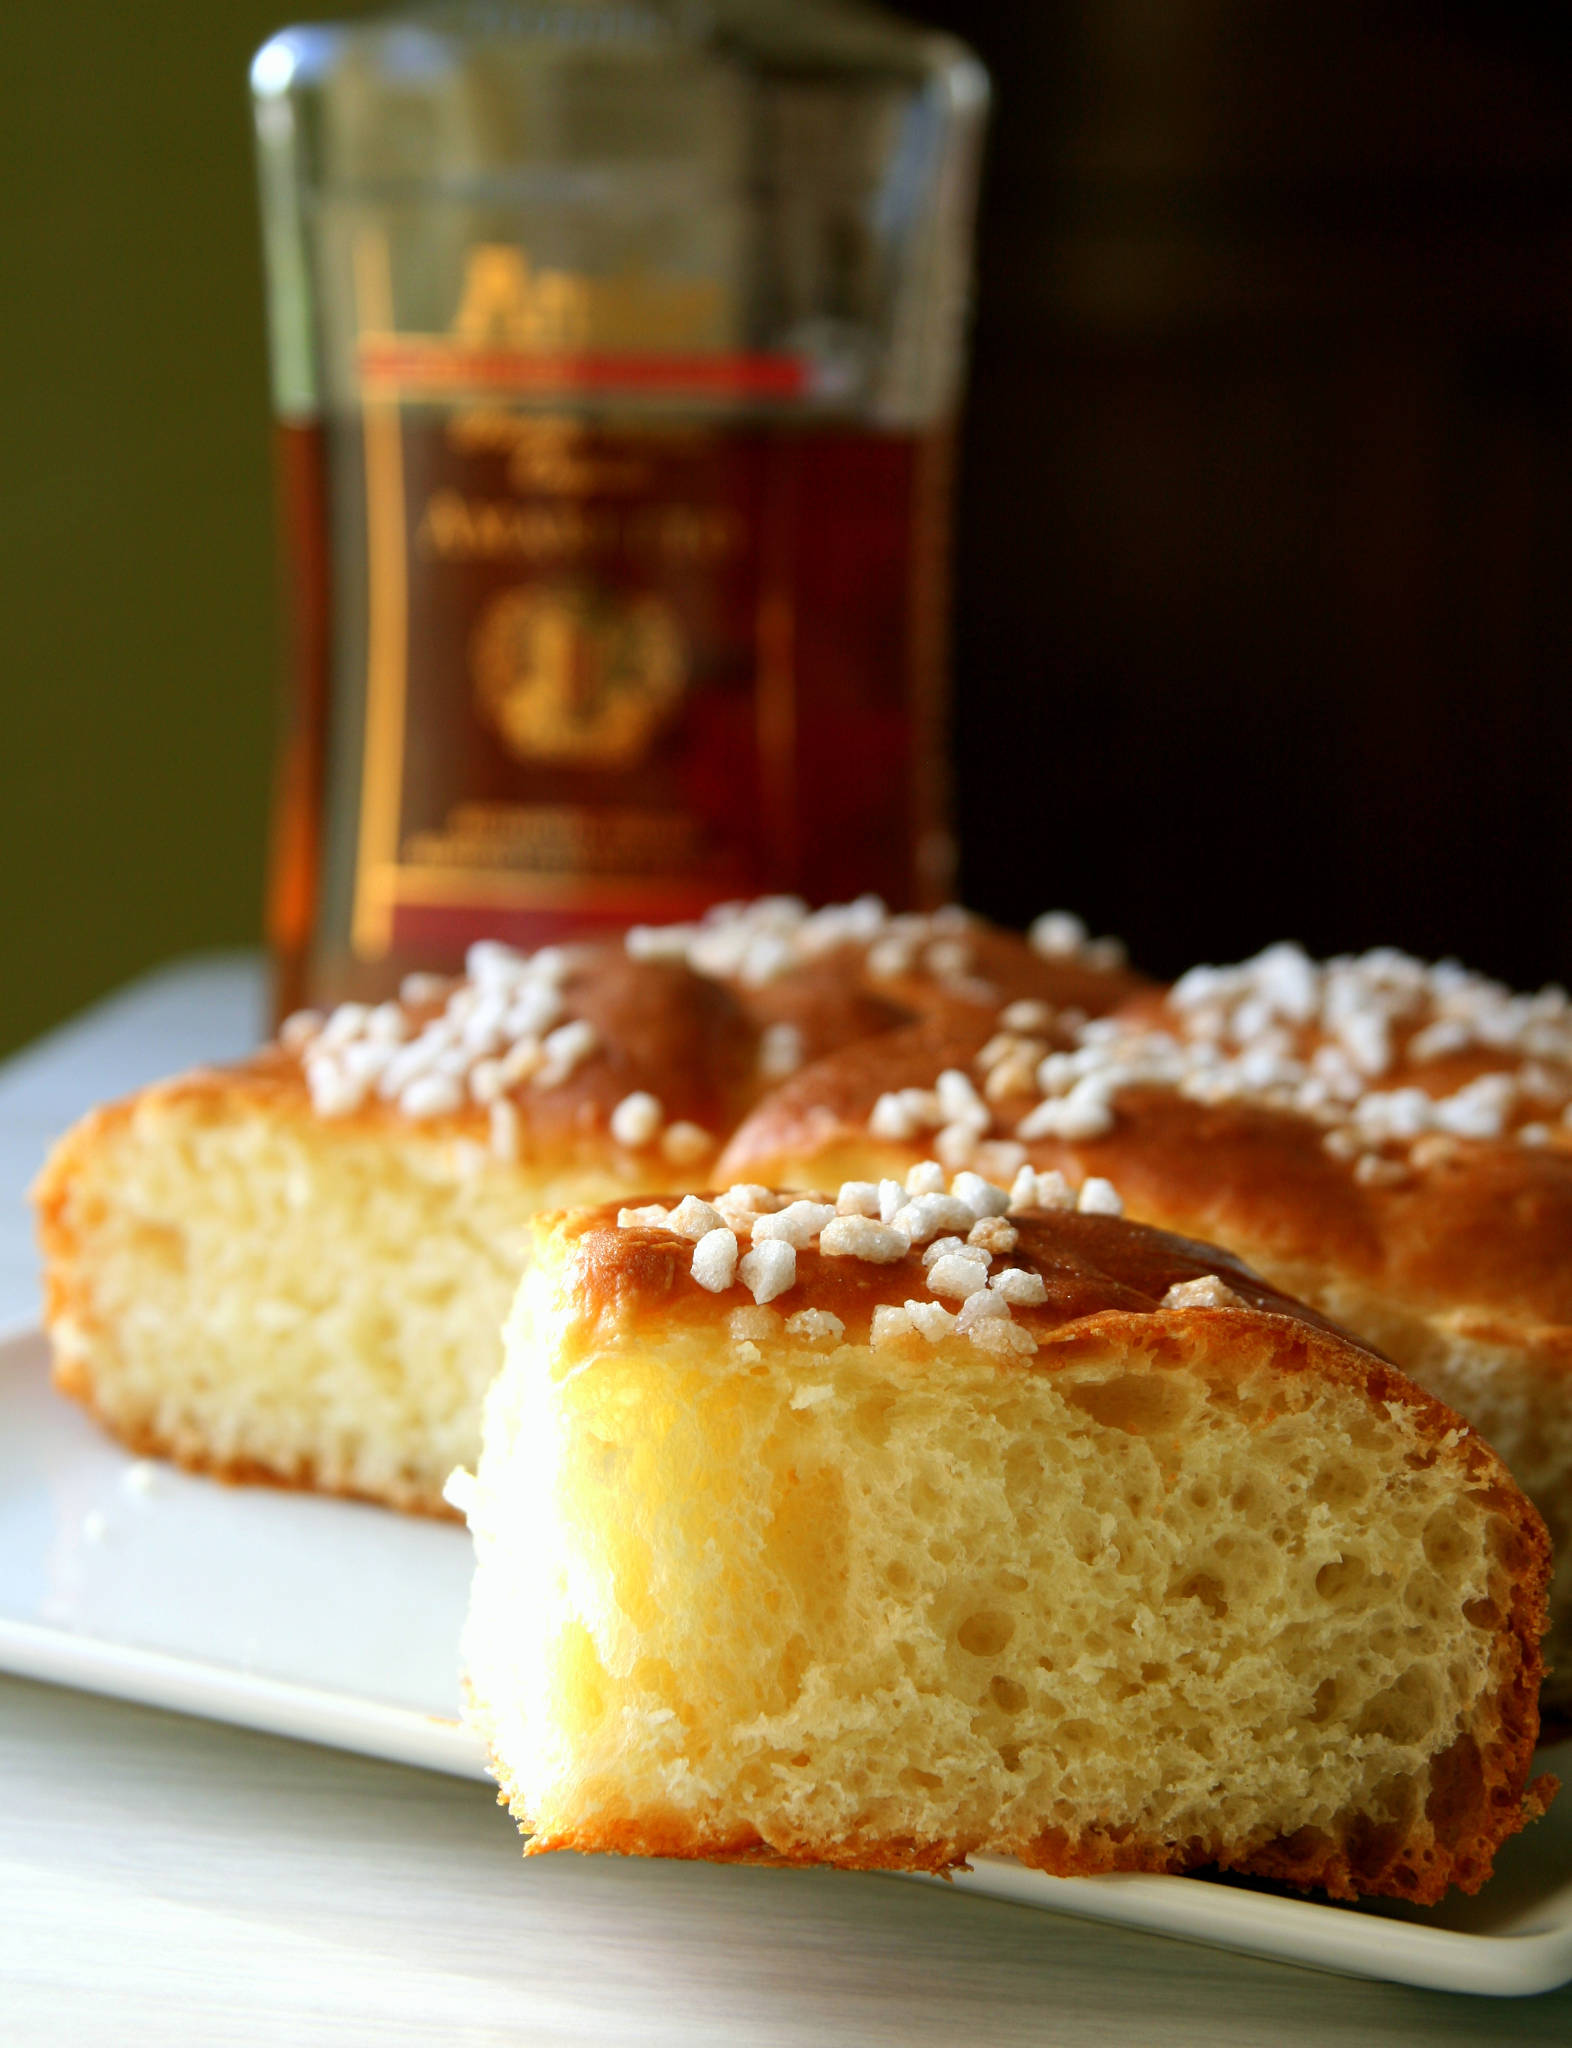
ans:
(616, 351)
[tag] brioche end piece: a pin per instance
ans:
(238, 1285)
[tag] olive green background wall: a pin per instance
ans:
(137, 574)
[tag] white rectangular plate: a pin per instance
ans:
(338, 1623)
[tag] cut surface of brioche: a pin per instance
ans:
(297, 1268)
(235, 1288)
(1456, 1264)
(1177, 1585)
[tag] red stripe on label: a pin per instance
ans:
(437, 366)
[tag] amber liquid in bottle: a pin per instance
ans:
(295, 851)
(640, 671)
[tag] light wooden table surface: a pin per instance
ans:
(166, 1881)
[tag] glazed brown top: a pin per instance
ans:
(1478, 1225)
(656, 1025)
(603, 1022)
(624, 1278)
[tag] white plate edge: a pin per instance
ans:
(243, 1699)
(1300, 1931)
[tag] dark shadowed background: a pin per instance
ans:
(1265, 560)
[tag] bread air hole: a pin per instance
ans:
(161, 1245)
(1203, 1587)
(1340, 1579)
(1140, 1404)
(1403, 1712)
(1447, 1543)
(986, 1634)
(1341, 1483)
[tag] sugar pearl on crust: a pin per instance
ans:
(1003, 1339)
(944, 1247)
(859, 1237)
(980, 1196)
(815, 1326)
(769, 1269)
(891, 1325)
(993, 1234)
(419, 989)
(485, 1040)
(636, 1120)
(1067, 1117)
(685, 1143)
(890, 1118)
(781, 1051)
(931, 1319)
(929, 1216)
(798, 1224)
(1032, 1190)
(980, 1307)
(692, 1217)
(431, 1095)
(957, 1277)
(715, 1259)
(1019, 1287)
(565, 1049)
(1206, 1292)
(957, 1145)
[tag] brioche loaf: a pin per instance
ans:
(884, 1527)
(296, 1269)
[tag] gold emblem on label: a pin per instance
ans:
(578, 677)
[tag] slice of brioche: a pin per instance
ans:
(296, 1269)
(264, 1288)
(1064, 1539)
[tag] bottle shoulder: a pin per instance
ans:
(425, 47)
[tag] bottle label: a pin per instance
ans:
(586, 547)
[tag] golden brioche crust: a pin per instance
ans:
(1478, 1806)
